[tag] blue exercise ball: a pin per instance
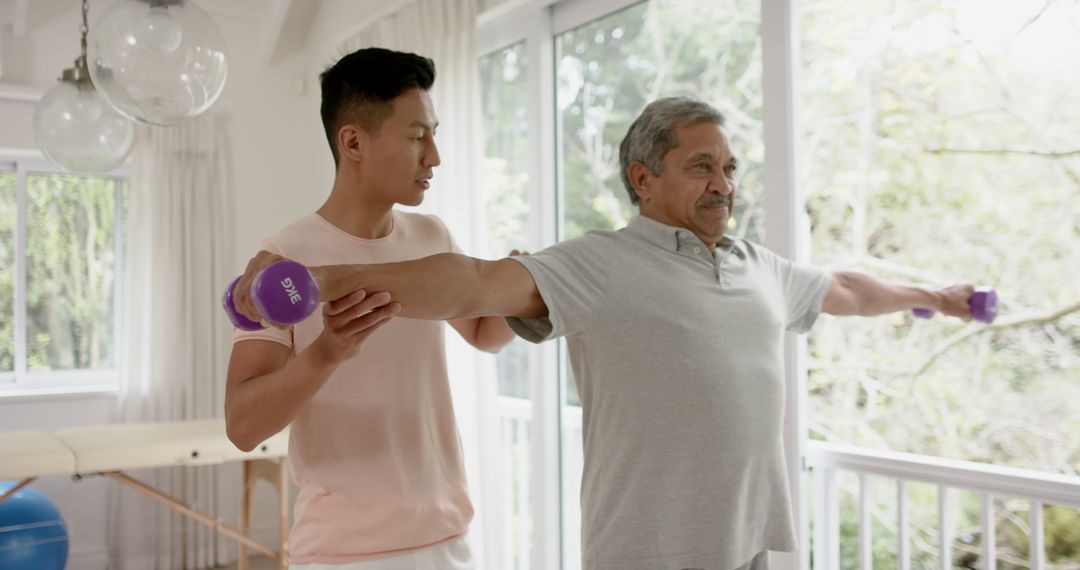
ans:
(32, 532)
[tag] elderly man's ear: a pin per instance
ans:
(641, 180)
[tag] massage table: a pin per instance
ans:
(110, 450)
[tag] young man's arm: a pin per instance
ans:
(265, 388)
(858, 294)
(445, 286)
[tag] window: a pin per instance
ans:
(60, 262)
(7, 274)
(511, 224)
(939, 143)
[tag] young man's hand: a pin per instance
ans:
(349, 321)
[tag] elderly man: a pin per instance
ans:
(675, 331)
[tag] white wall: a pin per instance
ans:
(271, 127)
(333, 23)
(16, 111)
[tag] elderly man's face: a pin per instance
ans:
(696, 188)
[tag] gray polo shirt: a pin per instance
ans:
(678, 356)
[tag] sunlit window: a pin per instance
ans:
(939, 145)
(60, 315)
(503, 77)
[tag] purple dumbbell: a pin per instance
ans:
(983, 302)
(284, 293)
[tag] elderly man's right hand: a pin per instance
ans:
(242, 291)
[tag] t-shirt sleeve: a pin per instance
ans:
(451, 245)
(569, 279)
(804, 288)
(273, 334)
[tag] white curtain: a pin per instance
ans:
(176, 339)
(445, 31)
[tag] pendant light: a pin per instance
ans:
(158, 62)
(75, 128)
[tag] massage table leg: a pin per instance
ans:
(180, 507)
(277, 474)
(245, 515)
(10, 492)
(283, 512)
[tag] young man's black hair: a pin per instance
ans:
(361, 86)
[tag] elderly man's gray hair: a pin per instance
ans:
(652, 134)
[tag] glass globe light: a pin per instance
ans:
(78, 130)
(157, 62)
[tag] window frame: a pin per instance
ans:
(21, 382)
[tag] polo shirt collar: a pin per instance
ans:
(676, 239)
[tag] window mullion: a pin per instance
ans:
(20, 272)
(786, 232)
(119, 222)
(543, 229)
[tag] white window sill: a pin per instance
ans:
(13, 395)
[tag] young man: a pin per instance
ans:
(675, 331)
(373, 445)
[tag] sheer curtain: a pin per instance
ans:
(176, 339)
(445, 31)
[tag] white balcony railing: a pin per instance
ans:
(990, 481)
(826, 461)
(515, 435)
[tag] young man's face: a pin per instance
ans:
(401, 156)
(696, 187)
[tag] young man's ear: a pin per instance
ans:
(640, 179)
(352, 142)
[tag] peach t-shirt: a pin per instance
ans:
(376, 452)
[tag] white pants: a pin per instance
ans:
(450, 555)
